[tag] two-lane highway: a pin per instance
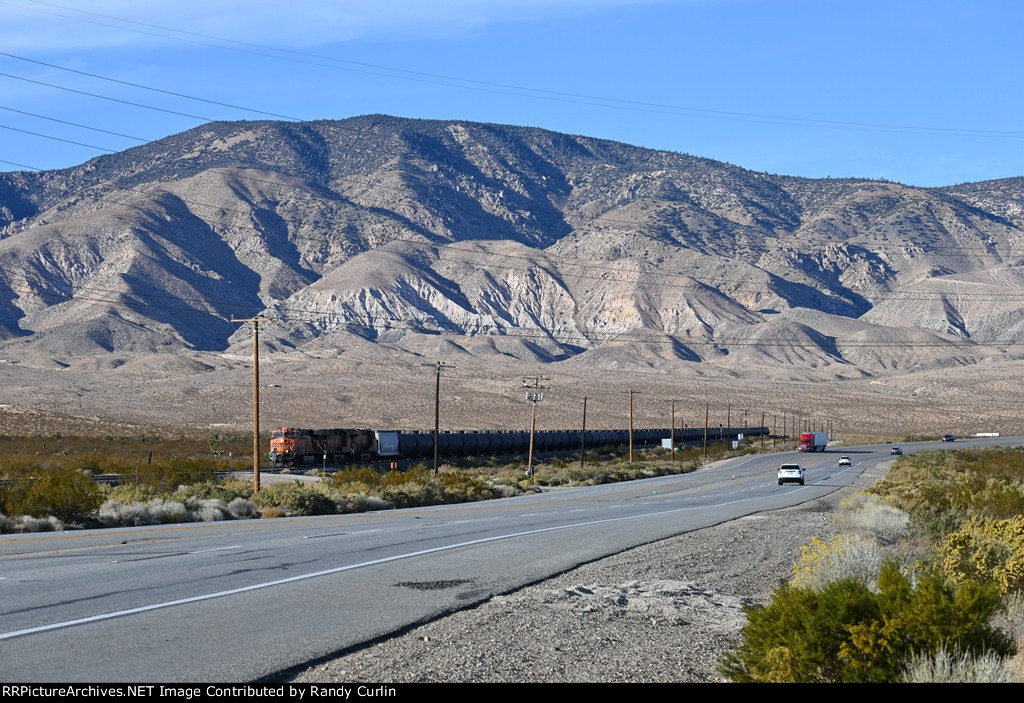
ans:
(239, 601)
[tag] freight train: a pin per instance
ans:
(291, 446)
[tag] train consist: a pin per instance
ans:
(298, 447)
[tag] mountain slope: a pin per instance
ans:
(503, 241)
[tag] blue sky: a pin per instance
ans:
(927, 93)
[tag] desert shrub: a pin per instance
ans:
(95, 464)
(226, 492)
(846, 557)
(117, 514)
(361, 479)
(166, 476)
(414, 475)
(505, 490)
(586, 476)
(295, 499)
(243, 509)
(946, 667)
(410, 495)
(357, 503)
(845, 632)
(144, 504)
(131, 493)
(207, 509)
(240, 488)
(942, 491)
(461, 487)
(27, 523)
(987, 550)
(63, 493)
(157, 511)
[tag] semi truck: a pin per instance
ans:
(813, 442)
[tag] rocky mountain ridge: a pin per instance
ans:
(501, 241)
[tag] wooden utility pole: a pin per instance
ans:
(706, 411)
(534, 396)
(762, 429)
(672, 432)
(583, 434)
(437, 410)
(631, 425)
(255, 322)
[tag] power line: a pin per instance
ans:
(522, 91)
(59, 139)
(73, 124)
(15, 163)
(151, 88)
(104, 97)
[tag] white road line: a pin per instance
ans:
(217, 549)
(350, 567)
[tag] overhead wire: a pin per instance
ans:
(418, 243)
(521, 91)
(72, 124)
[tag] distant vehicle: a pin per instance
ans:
(896, 451)
(791, 473)
(844, 461)
(813, 442)
(948, 438)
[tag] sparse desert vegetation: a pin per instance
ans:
(57, 490)
(924, 584)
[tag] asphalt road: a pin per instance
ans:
(246, 600)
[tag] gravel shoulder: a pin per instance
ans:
(662, 612)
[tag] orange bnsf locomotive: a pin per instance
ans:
(290, 446)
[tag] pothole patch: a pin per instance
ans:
(432, 585)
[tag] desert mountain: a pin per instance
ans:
(500, 241)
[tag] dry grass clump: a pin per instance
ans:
(957, 667)
(27, 523)
(869, 514)
(848, 556)
(162, 511)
